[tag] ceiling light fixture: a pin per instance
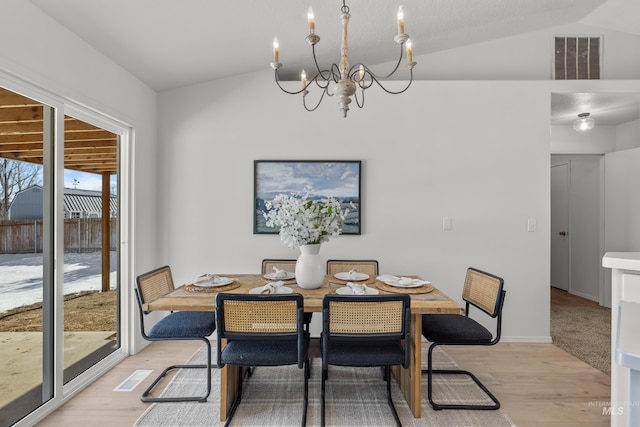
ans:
(342, 80)
(584, 123)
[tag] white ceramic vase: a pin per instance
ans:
(310, 267)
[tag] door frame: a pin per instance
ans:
(568, 201)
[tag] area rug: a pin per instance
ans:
(273, 396)
(584, 332)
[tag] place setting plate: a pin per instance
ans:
(391, 283)
(211, 281)
(348, 291)
(349, 276)
(278, 290)
(274, 276)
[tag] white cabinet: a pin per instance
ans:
(625, 286)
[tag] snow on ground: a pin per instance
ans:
(21, 276)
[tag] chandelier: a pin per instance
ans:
(584, 123)
(339, 79)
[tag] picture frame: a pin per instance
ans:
(341, 179)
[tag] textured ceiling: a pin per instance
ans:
(169, 43)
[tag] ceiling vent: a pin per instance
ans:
(577, 57)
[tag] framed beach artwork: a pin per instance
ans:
(340, 179)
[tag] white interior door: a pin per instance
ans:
(560, 248)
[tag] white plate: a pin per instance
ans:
(279, 290)
(415, 284)
(273, 276)
(211, 281)
(356, 277)
(348, 291)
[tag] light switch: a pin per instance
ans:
(446, 223)
(532, 225)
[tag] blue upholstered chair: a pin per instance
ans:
(485, 292)
(262, 330)
(176, 326)
(365, 331)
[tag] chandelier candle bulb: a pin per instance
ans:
(276, 49)
(400, 20)
(312, 21)
(340, 79)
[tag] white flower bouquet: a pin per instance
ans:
(304, 221)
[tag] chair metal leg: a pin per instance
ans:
(439, 406)
(203, 398)
(306, 392)
(324, 378)
(387, 375)
(236, 402)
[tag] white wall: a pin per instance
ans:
(628, 135)
(621, 206)
(622, 201)
(599, 140)
(474, 151)
(529, 56)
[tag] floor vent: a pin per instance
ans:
(577, 57)
(133, 380)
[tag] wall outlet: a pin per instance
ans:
(446, 223)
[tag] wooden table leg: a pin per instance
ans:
(229, 387)
(410, 380)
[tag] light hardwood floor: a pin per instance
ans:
(537, 384)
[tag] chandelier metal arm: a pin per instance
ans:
(304, 101)
(394, 92)
(355, 95)
(340, 79)
(394, 69)
(287, 91)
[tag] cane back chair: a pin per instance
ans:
(369, 267)
(262, 330)
(485, 292)
(176, 326)
(365, 331)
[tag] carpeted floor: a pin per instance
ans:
(355, 397)
(585, 332)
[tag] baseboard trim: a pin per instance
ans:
(527, 339)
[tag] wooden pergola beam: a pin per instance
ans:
(87, 148)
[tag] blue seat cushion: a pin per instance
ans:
(185, 324)
(453, 328)
(264, 352)
(365, 353)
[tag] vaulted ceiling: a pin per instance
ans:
(168, 44)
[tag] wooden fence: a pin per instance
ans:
(80, 235)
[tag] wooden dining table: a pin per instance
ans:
(190, 297)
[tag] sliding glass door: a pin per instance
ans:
(26, 303)
(90, 212)
(46, 226)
